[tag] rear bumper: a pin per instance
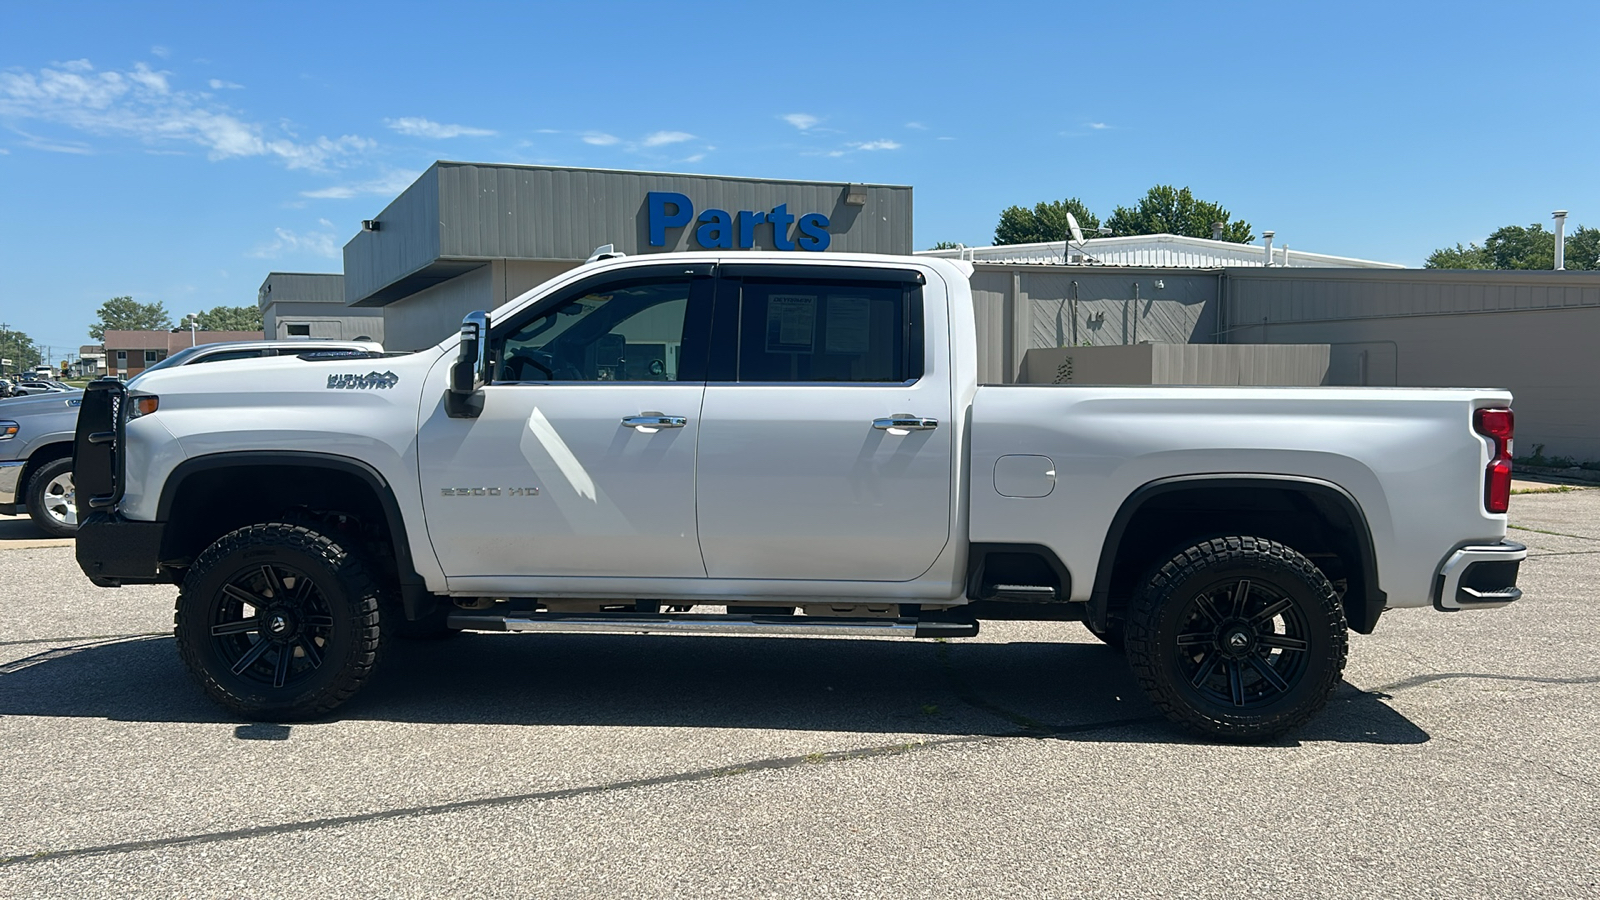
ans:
(1480, 576)
(114, 551)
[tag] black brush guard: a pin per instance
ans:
(111, 550)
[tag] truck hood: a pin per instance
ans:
(33, 405)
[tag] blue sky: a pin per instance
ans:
(179, 152)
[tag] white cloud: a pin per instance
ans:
(217, 84)
(1099, 126)
(667, 137)
(417, 126)
(52, 146)
(877, 145)
(388, 184)
(917, 125)
(161, 51)
(315, 243)
(141, 104)
(600, 138)
(946, 138)
(547, 131)
(802, 121)
(693, 159)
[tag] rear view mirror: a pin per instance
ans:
(471, 370)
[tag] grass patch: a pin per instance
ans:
(1552, 489)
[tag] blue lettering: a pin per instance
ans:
(660, 220)
(717, 232)
(780, 219)
(813, 230)
(747, 227)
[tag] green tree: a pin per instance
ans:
(1583, 249)
(20, 349)
(1518, 247)
(1045, 222)
(231, 318)
(1458, 257)
(123, 314)
(1167, 210)
(945, 245)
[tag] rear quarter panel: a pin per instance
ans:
(1408, 456)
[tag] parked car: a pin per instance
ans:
(27, 388)
(36, 430)
(768, 435)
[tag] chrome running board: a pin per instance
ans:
(697, 623)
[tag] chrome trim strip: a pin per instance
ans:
(1456, 565)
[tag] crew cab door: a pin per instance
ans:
(802, 470)
(582, 460)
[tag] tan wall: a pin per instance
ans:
(1221, 364)
(433, 314)
(1548, 358)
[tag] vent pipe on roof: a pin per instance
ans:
(1216, 231)
(1267, 237)
(1560, 216)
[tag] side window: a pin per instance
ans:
(792, 330)
(617, 331)
(228, 355)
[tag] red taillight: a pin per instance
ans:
(1497, 425)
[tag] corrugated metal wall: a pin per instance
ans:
(408, 241)
(1020, 307)
(1536, 333)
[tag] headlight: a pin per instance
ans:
(142, 404)
(8, 430)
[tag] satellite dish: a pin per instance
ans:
(1072, 226)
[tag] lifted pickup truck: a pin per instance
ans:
(757, 443)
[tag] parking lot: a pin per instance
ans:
(1459, 759)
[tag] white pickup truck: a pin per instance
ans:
(759, 443)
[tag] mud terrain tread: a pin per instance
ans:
(1144, 654)
(362, 594)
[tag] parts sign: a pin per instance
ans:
(720, 230)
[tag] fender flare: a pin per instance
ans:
(1361, 611)
(413, 591)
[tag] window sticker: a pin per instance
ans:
(791, 323)
(849, 325)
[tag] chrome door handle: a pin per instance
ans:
(905, 422)
(652, 421)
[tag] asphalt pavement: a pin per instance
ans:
(1459, 759)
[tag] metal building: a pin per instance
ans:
(468, 236)
(307, 305)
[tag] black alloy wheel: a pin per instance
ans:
(1239, 638)
(1241, 642)
(271, 626)
(278, 622)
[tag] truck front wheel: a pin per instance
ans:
(278, 622)
(1239, 638)
(51, 500)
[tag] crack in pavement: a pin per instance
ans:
(16, 666)
(92, 637)
(1420, 680)
(1554, 533)
(690, 777)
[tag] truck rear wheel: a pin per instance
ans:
(1239, 638)
(278, 622)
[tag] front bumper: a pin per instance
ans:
(10, 482)
(114, 551)
(1480, 576)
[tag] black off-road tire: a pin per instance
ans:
(1247, 669)
(324, 598)
(36, 501)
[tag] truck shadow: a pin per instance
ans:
(1066, 690)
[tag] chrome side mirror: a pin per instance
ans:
(471, 370)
